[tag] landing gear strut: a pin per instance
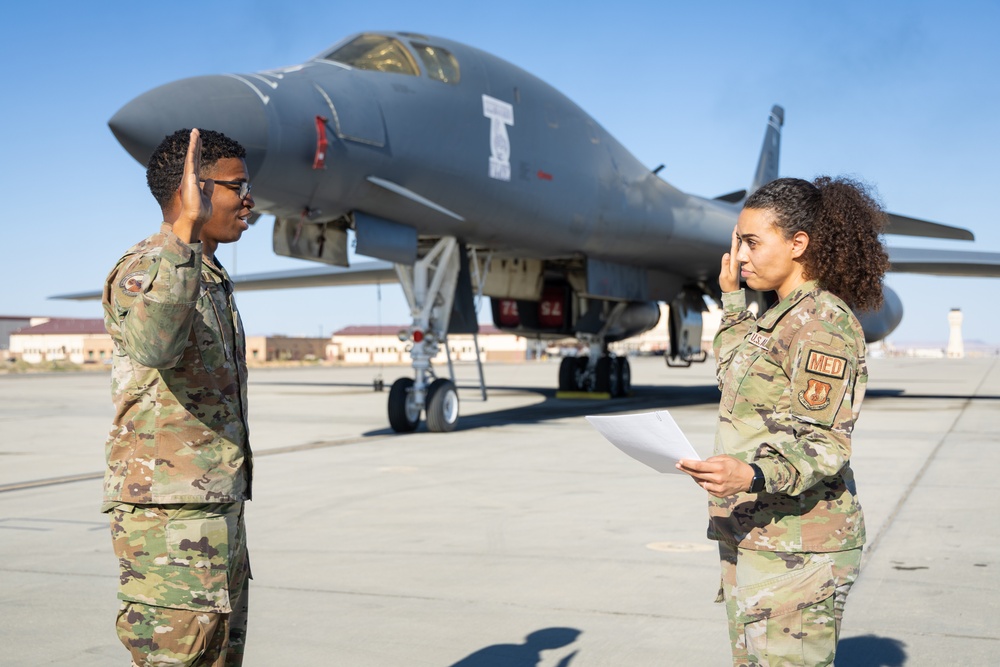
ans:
(429, 286)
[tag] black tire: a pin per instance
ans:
(442, 406)
(567, 374)
(607, 377)
(580, 380)
(624, 371)
(401, 417)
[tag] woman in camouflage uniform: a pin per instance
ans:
(783, 502)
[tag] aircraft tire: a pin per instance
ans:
(567, 374)
(624, 371)
(581, 382)
(404, 417)
(442, 406)
(607, 377)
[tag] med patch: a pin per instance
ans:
(821, 378)
(826, 364)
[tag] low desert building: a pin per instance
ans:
(370, 344)
(75, 340)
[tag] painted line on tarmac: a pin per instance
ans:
(85, 477)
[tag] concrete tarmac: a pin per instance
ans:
(523, 539)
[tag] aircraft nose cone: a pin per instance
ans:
(222, 103)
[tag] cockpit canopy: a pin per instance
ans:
(381, 53)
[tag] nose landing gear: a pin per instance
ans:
(429, 286)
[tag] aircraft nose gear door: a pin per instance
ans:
(429, 286)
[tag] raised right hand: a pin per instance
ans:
(196, 201)
(729, 273)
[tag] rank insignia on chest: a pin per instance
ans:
(815, 396)
(759, 339)
(826, 364)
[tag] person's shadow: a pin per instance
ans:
(523, 655)
(870, 651)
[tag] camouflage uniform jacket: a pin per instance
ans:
(792, 383)
(178, 382)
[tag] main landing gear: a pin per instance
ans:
(429, 286)
(598, 372)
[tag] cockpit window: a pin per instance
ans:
(375, 52)
(438, 62)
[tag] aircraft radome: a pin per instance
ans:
(465, 174)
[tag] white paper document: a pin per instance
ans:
(653, 438)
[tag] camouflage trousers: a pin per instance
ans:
(184, 575)
(784, 608)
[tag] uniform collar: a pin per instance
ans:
(778, 310)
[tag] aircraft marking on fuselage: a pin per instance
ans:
(323, 61)
(410, 194)
(501, 114)
(329, 103)
(263, 98)
(273, 84)
(280, 72)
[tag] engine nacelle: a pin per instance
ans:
(882, 322)
(638, 317)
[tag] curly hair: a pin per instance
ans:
(844, 221)
(166, 165)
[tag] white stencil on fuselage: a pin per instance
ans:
(501, 115)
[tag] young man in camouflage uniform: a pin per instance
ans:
(783, 502)
(178, 455)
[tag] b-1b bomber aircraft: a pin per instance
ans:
(464, 174)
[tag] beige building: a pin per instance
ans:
(285, 348)
(9, 324)
(381, 345)
(77, 341)
(85, 341)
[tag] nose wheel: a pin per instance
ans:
(404, 413)
(442, 406)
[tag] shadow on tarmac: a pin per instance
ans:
(901, 393)
(527, 654)
(645, 397)
(870, 651)
(642, 398)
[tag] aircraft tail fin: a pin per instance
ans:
(767, 165)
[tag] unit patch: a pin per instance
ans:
(759, 339)
(826, 364)
(815, 396)
(132, 283)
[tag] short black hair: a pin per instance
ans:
(166, 164)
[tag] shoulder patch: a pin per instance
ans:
(131, 285)
(826, 364)
(816, 395)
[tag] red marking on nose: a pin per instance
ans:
(544, 176)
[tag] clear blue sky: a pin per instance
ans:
(904, 94)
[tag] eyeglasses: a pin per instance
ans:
(241, 188)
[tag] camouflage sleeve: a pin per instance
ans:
(816, 410)
(736, 322)
(150, 302)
